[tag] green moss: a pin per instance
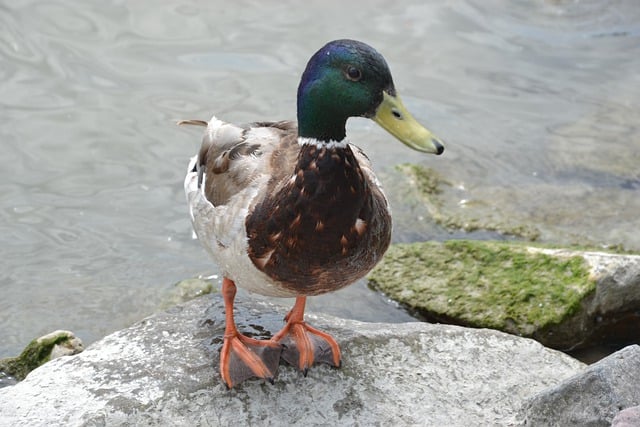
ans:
(37, 353)
(484, 284)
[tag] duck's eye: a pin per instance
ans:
(353, 73)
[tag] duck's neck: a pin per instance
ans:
(318, 116)
(320, 128)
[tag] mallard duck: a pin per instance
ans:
(295, 210)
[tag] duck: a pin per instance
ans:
(294, 209)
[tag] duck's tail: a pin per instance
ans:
(192, 122)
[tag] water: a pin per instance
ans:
(537, 101)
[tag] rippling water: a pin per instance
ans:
(538, 102)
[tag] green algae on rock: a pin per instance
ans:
(497, 285)
(428, 185)
(39, 351)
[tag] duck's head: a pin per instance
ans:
(347, 78)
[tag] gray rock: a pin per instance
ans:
(163, 371)
(629, 417)
(592, 397)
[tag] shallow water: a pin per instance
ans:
(537, 101)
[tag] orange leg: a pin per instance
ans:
(303, 344)
(243, 357)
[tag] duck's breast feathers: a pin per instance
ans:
(233, 158)
(322, 227)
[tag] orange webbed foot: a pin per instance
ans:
(304, 345)
(242, 358)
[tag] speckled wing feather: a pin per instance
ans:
(234, 157)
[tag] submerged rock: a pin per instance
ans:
(570, 211)
(186, 290)
(163, 371)
(39, 351)
(566, 299)
(429, 187)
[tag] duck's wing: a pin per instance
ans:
(236, 167)
(234, 158)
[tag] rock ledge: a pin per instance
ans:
(162, 371)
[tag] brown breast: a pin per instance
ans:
(322, 227)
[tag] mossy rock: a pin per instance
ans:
(498, 285)
(39, 351)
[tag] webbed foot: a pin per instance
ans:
(304, 345)
(242, 357)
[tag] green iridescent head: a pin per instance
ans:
(347, 78)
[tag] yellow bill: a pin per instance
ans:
(395, 119)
